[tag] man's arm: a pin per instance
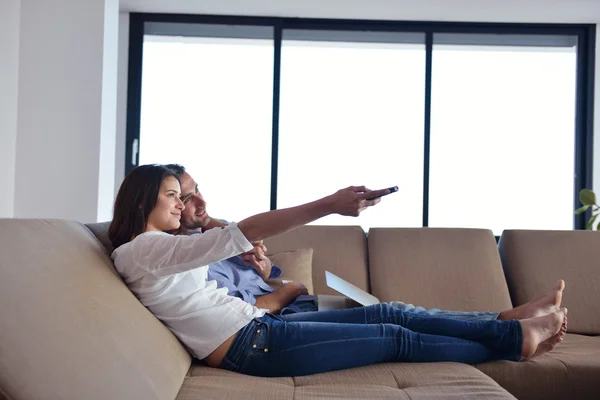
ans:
(280, 298)
(255, 257)
(213, 223)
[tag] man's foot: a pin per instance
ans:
(543, 305)
(538, 330)
(550, 344)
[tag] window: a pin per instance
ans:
(352, 114)
(503, 132)
(480, 125)
(207, 104)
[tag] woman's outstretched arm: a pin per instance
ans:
(350, 201)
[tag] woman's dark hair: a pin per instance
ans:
(136, 199)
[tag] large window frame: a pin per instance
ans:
(584, 98)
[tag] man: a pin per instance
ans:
(245, 275)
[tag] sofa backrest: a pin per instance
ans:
(70, 328)
(339, 249)
(446, 268)
(100, 230)
(534, 260)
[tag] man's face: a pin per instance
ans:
(194, 216)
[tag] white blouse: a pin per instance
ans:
(168, 274)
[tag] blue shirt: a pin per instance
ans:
(243, 281)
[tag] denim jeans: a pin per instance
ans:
(462, 315)
(312, 342)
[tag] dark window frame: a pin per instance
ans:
(584, 112)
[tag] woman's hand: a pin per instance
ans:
(257, 259)
(352, 200)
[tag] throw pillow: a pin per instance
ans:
(296, 265)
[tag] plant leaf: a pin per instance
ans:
(591, 221)
(581, 210)
(587, 197)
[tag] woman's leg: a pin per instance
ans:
(484, 331)
(532, 331)
(273, 346)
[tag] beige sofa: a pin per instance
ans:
(70, 329)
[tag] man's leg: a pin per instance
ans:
(543, 305)
(435, 312)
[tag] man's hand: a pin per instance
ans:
(280, 298)
(298, 287)
(257, 259)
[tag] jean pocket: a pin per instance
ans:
(260, 339)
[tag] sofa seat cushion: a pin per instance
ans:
(381, 381)
(568, 372)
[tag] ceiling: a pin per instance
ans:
(557, 11)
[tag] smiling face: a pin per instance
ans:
(166, 214)
(194, 216)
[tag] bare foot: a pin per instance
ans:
(550, 344)
(538, 330)
(543, 305)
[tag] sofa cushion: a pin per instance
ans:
(296, 265)
(568, 372)
(446, 268)
(100, 230)
(380, 381)
(339, 249)
(70, 328)
(534, 260)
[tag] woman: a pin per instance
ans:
(168, 275)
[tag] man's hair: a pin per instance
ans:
(177, 168)
(135, 201)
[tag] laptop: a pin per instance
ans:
(349, 290)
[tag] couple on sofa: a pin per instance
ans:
(170, 275)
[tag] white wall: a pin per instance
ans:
(122, 98)
(62, 135)
(66, 161)
(106, 172)
(422, 10)
(9, 75)
(523, 11)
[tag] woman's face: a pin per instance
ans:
(167, 212)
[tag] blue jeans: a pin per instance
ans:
(312, 342)
(462, 315)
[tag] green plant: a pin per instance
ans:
(588, 199)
